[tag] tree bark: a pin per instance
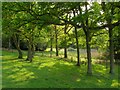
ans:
(111, 47)
(9, 47)
(51, 49)
(77, 45)
(87, 33)
(17, 45)
(89, 68)
(19, 50)
(65, 46)
(56, 41)
(51, 45)
(31, 51)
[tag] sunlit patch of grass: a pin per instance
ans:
(99, 81)
(46, 65)
(115, 83)
(78, 80)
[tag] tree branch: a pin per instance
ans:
(104, 26)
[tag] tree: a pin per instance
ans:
(51, 44)
(87, 34)
(65, 46)
(117, 45)
(76, 37)
(109, 10)
(9, 24)
(56, 40)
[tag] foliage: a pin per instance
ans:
(117, 44)
(62, 25)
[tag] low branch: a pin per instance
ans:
(69, 29)
(106, 25)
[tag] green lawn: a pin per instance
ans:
(46, 72)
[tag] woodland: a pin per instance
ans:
(60, 44)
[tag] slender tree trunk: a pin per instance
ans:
(77, 45)
(111, 51)
(111, 47)
(29, 57)
(33, 50)
(89, 69)
(19, 50)
(9, 47)
(30, 51)
(106, 63)
(51, 49)
(17, 45)
(87, 33)
(56, 41)
(65, 52)
(51, 45)
(65, 47)
(20, 54)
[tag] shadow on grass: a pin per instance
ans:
(45, 72)
(51, 75)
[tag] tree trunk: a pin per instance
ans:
(65, 46)
(89, 69)
(77, 45)
(17, 45)
(106, 63)
(87, 33)
(29, 57)
(33, 50)
(51, 49)
(65, 52)
(20, 54)
(9, 47)
(30, 51)
(111, 47)
(51, 45)
(56, 41)
(19, 50)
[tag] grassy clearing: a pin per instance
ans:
(46, 72)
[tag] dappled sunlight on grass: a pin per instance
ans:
(46, 72)
(115, 83)
(46, 65)
(78, 80)
(100, 69)
(99, 81)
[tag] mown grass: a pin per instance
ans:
(0, 68)
(46, 72)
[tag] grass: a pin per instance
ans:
(0, 69)
(46, 72)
